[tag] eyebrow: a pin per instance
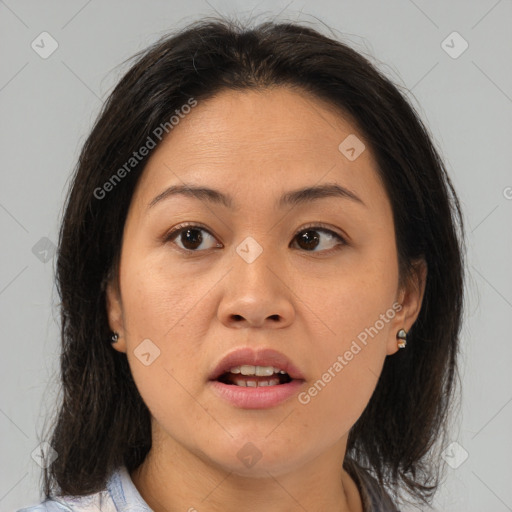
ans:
(292, 198)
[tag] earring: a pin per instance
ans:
(402, 338)
(114, 337)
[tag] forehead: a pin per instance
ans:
(260, 140)
(274, 118)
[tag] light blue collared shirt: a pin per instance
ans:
(120, 495)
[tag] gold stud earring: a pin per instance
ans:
(402, 338)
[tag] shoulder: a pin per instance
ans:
(90, 503)
(120, 494)
(45, 506)
(101, 500)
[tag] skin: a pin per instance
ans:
(309, 303)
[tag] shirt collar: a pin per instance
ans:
(124, 494)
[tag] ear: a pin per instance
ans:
(409, 300)
(115, 314)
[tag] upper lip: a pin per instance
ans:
(252, 357)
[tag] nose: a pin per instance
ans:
(256, 294)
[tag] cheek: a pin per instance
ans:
(356, 313)
(354, 301)
(165, 318)
(160, 303)
(347, 365)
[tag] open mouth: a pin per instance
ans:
(256, 387)
(254, 376)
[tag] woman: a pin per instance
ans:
(261, 274)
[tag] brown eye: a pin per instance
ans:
(309, 239)
(191, 237)
(194, 238)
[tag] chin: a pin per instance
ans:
(256, 457)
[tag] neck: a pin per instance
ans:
(175, 479)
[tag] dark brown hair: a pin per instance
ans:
(102, 421)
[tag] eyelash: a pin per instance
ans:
(169, 237)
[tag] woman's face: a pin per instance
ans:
(314, 278)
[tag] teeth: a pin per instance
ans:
(254, 383)
(260, 371)
(248, 370)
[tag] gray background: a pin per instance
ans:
(47, 107)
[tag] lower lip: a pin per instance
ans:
(261, 397)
